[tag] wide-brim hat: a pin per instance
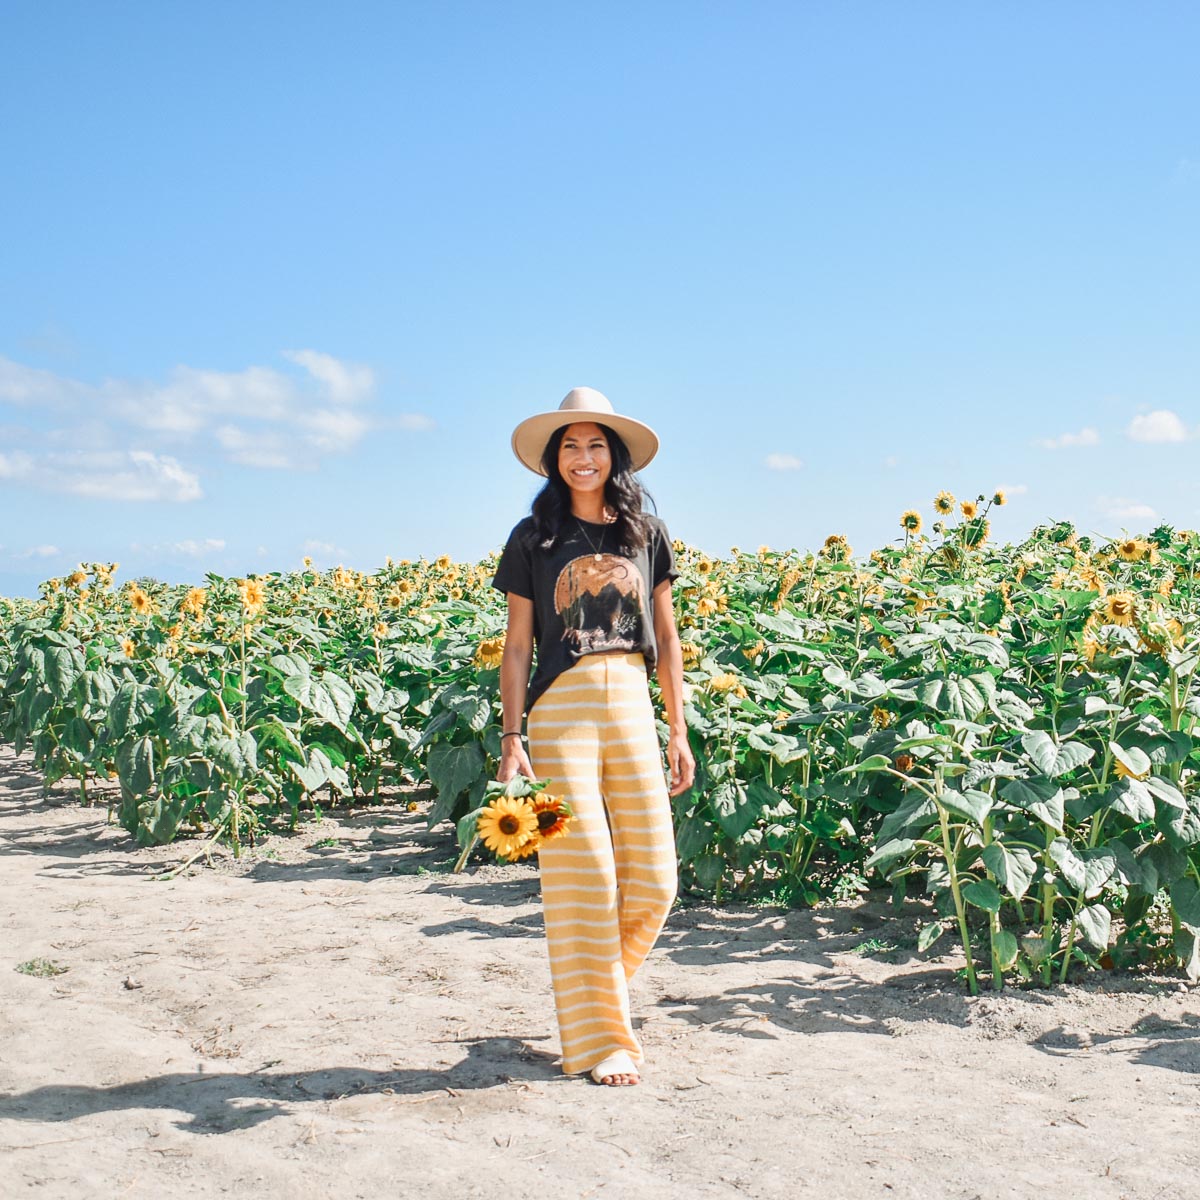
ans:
(582, 404)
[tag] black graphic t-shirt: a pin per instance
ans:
(588, 598)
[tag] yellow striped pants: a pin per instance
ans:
(609, 881)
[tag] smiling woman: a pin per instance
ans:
(588, 579)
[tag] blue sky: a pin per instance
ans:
(281, 278)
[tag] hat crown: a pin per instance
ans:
(585, 399)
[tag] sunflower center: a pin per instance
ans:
(509, 825)
(547, 818)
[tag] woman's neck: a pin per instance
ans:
(589, 508)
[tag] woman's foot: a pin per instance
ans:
(617, 1070)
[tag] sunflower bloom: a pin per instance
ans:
(442, 562)
(752, 652)
(194, 601)
(128, 646)
(506, 825)
(910, 521)
(727, 682)
(999, 499)
(140, 602)
(490, 652)
(943, 503)
(1121, 770)
(553, 816)
(691, 653)
(1132, 550)
(881, 718)
(253, 594)
(706, 606)
(1120, 608)
(381, 629)
(837, 549)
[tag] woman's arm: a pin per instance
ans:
(670, 682)
(514, 684)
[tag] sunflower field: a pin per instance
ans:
(1008, 730)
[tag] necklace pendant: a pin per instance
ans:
(598, 557)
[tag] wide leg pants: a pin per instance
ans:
(609, 881)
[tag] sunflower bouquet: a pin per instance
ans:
(516, 820)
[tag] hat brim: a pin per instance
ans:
(530, 437)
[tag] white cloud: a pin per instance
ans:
(1118, 508)
(323, 549)
(40, 552)
(1085, 437)
(105, 475)
(195, 549)
(415, 422)
(783, 462)
(346, 382)
(257, 417)
(1161, 425)
(1013, 489)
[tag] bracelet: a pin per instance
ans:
(513, 733)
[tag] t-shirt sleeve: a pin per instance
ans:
(662, 557)
(514, 572)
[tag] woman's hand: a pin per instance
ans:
(514, 761)
(681, 761)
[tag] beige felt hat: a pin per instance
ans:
(582, 404)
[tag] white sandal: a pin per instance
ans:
(617, 1063)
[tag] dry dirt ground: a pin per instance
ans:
(338, 1016)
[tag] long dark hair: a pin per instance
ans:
(623, 491)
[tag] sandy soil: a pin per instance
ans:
(336, 1015)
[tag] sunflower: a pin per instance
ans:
(128, 646)
(442, 562)
(490, 652)
(77, 578)
(1120, 608)
(140, 602)
(752, 652)
(342, 578)
(943, 503)
(506, 825)
(910, 521)
(727, 682)
(1123, 772)
(381, 629)
(1132, 549)
(691, 653)
(193, 602)
(553, 816)
(975, 532)
(704, 566)
(880, 717)
(969, 509)
(1166, 585)
(706, 606)
(999, 499)
(254, 595)
(903, 762)
(837, 549)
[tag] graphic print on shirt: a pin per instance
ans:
(601, 599)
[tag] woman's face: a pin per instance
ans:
(584, 460)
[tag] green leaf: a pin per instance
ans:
(984, 894)
(135, 766)
(328, 696)
(452, 769)
(969, 804)
(64, 664)
(1187, 947)
(1042, 797)
(1086, 871)
(1132, 798)
(1095, 923)
(877, 762)
(159, 818)
(1014, 868)
(465, 829)
(291, 665)
(1185, 899)
(1052, 759)
(1135, 761)
(1004, 945)
(733, 807)
(693, 836)
(132, 704)
(890, 853)
(1180, 826)
(928, 935)
(780, 746)
(963, 699)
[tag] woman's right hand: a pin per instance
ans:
(513, 761)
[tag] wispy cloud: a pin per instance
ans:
(783, 462)
(197, 549)
(1013, 489)
(326, 551)
(1119, 508)
(257, 417)
(104, 475)
(1161, 425)
(40, 552)
(1085, 437)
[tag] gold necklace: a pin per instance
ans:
(596, 554)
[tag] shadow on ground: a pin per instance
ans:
(223, 1102)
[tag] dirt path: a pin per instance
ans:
(337, 1016)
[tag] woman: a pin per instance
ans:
(588, 579)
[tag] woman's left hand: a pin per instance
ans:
(682, 763)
